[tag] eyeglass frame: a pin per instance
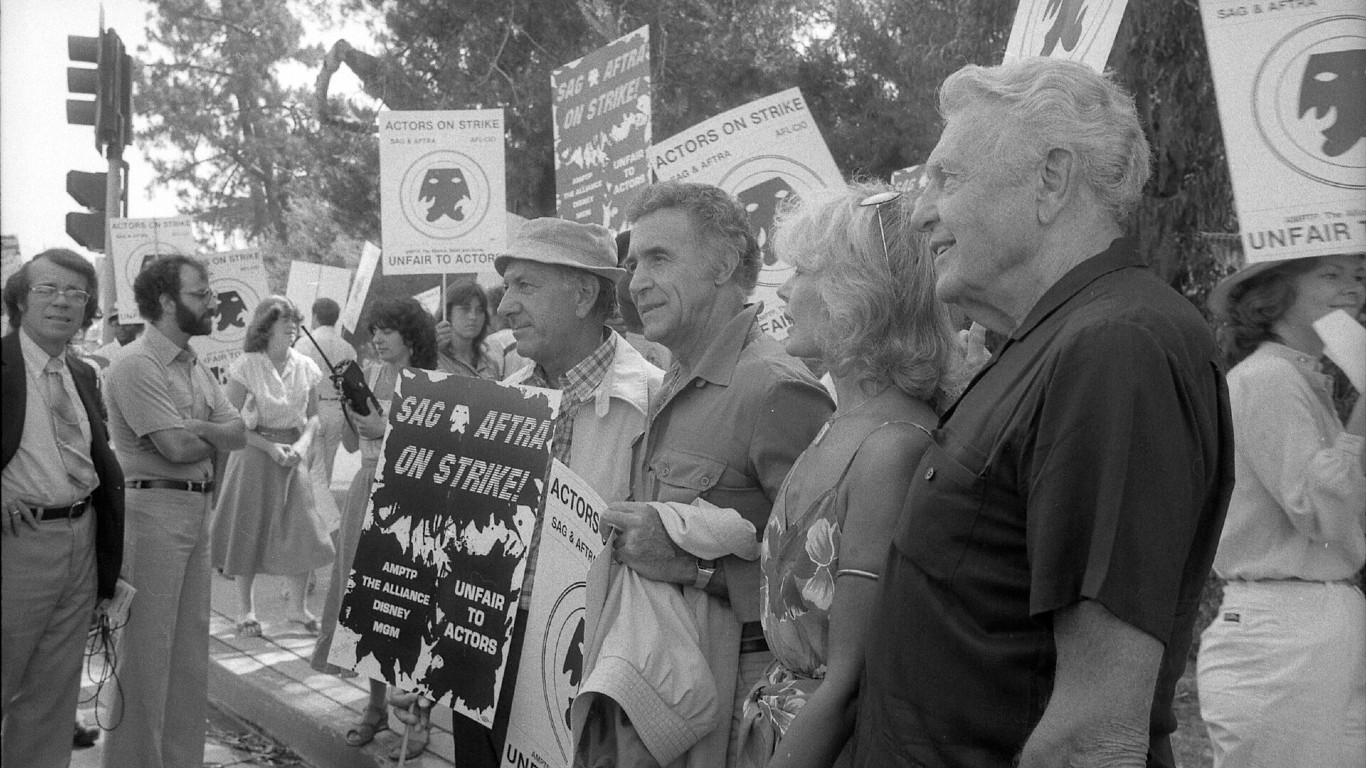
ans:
(877, 200)
(41, 291)
(207, 295)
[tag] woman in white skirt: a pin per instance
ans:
(1282, 669)
(265, 520)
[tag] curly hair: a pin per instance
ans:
(413, 323)
(161, 277)
(884, 323)
(270, 311)
(1047, 103)
(718, 218)
(1255, 305)
(17, 287)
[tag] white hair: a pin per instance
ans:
(1050, 103)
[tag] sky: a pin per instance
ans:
(38, 147)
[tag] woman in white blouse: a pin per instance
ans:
(1282, 669)
(265, 520)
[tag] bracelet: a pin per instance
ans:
(705, 570)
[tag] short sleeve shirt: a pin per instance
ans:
(730, 433)
(275, 399)
(1091, 460)
(157, 385)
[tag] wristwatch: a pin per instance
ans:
(705, 570)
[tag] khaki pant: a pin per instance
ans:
(1282, 676)
(163, 655)
(48, 600)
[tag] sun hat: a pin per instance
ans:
(1219, 298)
(589, 247)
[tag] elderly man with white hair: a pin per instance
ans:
(1038, 600)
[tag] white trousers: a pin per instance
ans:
(1282, 676)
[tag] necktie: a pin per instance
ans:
(67, 429)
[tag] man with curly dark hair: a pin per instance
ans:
(169, 418)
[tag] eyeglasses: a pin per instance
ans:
(208, 294)
(49, 292)
(877, 201)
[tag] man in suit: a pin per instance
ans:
(61, 527)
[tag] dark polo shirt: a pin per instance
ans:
(1091, 460)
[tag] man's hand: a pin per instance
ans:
(644, 546)
(101, 608)
(17, 513)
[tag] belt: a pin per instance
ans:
(1351, 581)
(284, 435)
(61, 513)
(752, 638)
(172, 485)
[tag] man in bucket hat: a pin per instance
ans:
(560, 292)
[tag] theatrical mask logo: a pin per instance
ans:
(232, 310)
(762, 201)
(444, 194)
(761, 183)
(562, 659)
(1069, 20)
(1307, 101)
(1336, 80)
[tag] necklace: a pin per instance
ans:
(837, 415)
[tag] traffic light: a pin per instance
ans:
(89, 189)
(109, 82)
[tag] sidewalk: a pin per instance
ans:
(266, 681)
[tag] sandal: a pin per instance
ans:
(374, 720)
(249, 627)
(417, 736)
(309, 624)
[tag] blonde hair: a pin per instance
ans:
(885, 325)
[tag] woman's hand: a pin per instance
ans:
(370, 426)
(283, 455)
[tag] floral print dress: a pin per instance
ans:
(799, 560)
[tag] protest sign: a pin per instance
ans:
(133, 243)
(552, 653)
(10, 260)
(360, 287)
(763, 153)
(239, 277)
(309, 282)
(1288, 79)
(601, 110)
(433, 590)
(442, 191)
(430, 300)
(1344, 342)
(1073, 30)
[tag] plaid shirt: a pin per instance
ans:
(576, 386)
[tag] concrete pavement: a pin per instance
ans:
(266, 681)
